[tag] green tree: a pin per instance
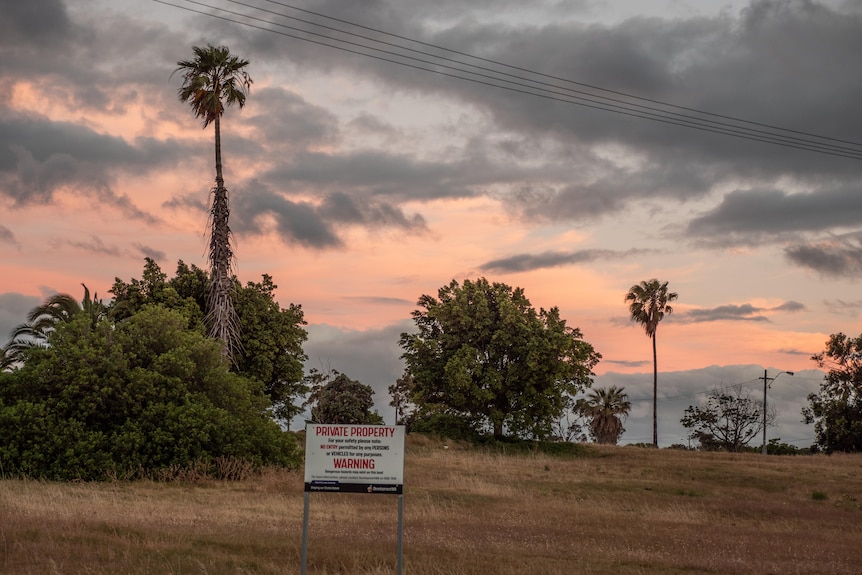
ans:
(605, 411)
(132, 397)
(728, 421)
(271, 336)
(335, 398)
(213, 80)
(836, 410)
(483, 353)
(648, 304)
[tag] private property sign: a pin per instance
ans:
(354, 458)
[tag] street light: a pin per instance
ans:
(766, 381)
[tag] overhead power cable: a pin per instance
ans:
(480, 74)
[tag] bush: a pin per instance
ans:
(132, 398)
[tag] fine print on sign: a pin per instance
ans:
(354, 458)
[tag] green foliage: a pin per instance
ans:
(728, 420)
(484, 353)
(774, 447)
(836, 410)
(335, 398)
(143, 394)
(446, 425)
(271, 340)
(819, 495)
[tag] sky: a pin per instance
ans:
(712, 148)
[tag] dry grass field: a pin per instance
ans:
(621, 510)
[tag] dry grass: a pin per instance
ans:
(620, 511)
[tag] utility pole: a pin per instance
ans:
(766, 381)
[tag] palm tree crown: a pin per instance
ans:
(213, 80)
(648, 304)
(606, 409)
(43, 320)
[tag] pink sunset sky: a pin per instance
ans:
(360, 184)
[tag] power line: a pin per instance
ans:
(519, 84)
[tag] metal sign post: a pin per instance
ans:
(354, 459)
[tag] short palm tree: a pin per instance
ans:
(213, 80)
(606, 409)
(43, 320)
(648, 304)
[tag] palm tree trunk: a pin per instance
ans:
(222, 316)
(654, 394)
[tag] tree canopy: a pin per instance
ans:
(728, 421)
(272, 336)
(132, 396)
(836, 410)
(483, 353)
(335, 398)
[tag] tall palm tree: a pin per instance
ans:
(648, 304)
(213, 80)
(606, 409)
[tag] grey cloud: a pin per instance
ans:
(288, 121)
(339, 207)
(150, 252)
(550, 259)
(295, 222)
(730, 312)
(377, 173)
(43, 21)
(746, 215)
(790, 306)
(38, 156)
(734, 312)
(313, 225)
(844, 307)
(832, 258)
(6, 236)
(96, 246)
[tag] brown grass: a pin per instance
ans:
(467, 511)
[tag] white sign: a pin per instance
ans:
(354, 458)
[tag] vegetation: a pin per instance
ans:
(484, 354)
(728, 421)
(605, 410)
(335, 398)
(127, 398)
(836, 410)
(648, 304)
(212, 81)
(271, 340)
(467, 511)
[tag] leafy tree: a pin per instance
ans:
(483, 353)
(836, 410)
(271, 336)
(648, 304)
(335, 398)
(728, 421)
(605, 410)
(143, 394)
(213, 80)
